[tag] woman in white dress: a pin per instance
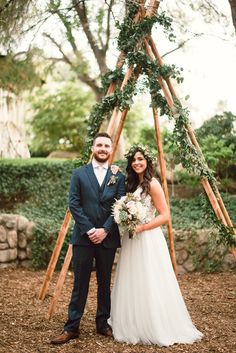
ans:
(146, 303)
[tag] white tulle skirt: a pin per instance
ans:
(146, 303)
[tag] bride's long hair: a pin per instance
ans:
(132, 179)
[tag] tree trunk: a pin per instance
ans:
(12, 133)
(233, 11)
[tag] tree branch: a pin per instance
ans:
(68, 28)
(4, 7)
(98, 53)
(84, 77)
(182, 44)
(108, 30)
(65, 57)
(233, 11)
(92, 84)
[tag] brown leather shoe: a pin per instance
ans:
(106, 331)
(64, 337)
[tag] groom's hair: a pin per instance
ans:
(102, 134)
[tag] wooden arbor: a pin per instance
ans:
(115, 127)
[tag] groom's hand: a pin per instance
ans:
(98, 236)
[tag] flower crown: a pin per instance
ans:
(140, 148)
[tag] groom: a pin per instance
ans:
(93, 190)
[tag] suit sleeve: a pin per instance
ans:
(75, 204)
(108, 225)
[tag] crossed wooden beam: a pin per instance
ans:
(116, 124)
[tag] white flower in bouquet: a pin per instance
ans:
(129, 211)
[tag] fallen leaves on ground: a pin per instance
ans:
(210, 298)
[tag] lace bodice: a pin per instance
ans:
(148, 204)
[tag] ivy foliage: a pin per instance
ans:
(38, 189)
(130, 42)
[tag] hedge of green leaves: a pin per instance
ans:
(191, 213)
(38, 189)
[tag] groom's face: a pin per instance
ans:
(102, 148)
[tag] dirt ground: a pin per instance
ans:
(210, 298)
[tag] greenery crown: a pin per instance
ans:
(140, 148)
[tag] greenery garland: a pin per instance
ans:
(130, 35)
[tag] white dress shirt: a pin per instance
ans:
(100, 170)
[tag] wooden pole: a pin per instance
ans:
(60, 282)
(213, 200)
(117, 134)
(218, 202)
(115, 112)
(54, 257)
(161, 63)
(224, 218)
(164, 185)
(152, 8)
(162, 82)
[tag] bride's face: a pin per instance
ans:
(139, 163)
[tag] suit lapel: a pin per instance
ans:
(105, 181)
(92, 178)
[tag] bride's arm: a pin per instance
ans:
(161, 206)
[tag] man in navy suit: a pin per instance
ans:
(93, 190)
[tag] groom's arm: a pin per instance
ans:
(75, 206)
(108, 225)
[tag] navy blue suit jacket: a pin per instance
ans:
(91, 204)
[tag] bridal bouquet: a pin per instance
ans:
(129, 211)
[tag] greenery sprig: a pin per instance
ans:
(140, 148)
(130, 34)
(112, 76)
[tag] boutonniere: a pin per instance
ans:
(113, 178)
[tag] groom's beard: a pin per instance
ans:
(101, 159)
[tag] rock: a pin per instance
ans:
(13, 254)
(29, 252)
(12, 238)
(179, 245)
(22, 223)
(189, 266)
(30, 229)
(222, 250)
(26, 264)
(212, 253)
(12, 264)
(181, 256)
(202, 237)
(229, 262)
(4, 246)
(21, 254)
(8, 255)
(22, 240)
(11, 223)
(180, 270)
(3, 234)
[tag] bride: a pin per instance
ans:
(146, 303)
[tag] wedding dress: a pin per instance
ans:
(146, 303)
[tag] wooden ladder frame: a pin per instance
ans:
(118, 116)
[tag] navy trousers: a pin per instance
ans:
(82, 265)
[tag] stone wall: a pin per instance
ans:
(192, 248)
(194, 252)
(16, 233)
